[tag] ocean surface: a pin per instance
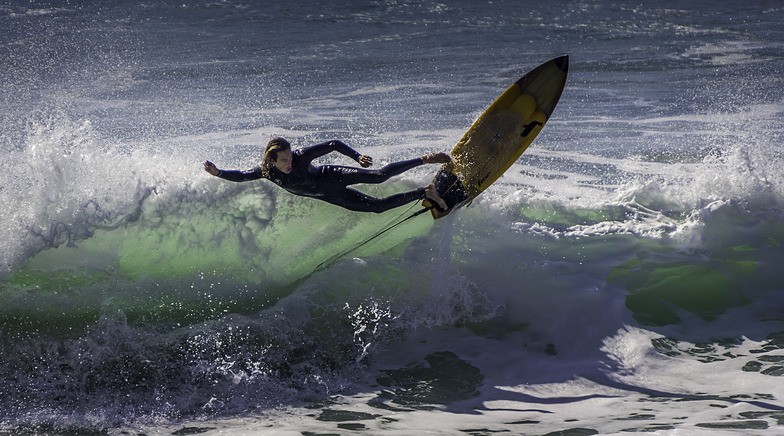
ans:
(624, 276)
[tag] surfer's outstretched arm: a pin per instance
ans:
(233, 176)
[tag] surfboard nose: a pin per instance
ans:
(562, 62)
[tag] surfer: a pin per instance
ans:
(294, 172)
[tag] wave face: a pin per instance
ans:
(623, 275)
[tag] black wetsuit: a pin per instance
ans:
(330, 182)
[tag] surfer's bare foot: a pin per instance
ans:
(432, 194)
(436, 158)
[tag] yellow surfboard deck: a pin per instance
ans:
(500, 135)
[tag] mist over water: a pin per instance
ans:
(623, 275)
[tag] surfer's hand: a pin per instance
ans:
(211, 168)
(365, 161)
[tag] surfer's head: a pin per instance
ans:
(277, 155)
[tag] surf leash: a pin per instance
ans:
(335, 258)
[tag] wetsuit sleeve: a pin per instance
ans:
(241, 176)
(309, 153)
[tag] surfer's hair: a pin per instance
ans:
(275, 146)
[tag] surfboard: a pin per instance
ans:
(500, 135)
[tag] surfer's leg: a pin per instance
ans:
(354, 200)
(351, 176)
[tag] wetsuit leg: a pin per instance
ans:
(351, 176)
(354, 200)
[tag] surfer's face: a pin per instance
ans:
(283, 162)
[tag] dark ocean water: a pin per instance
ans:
(623, 276)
